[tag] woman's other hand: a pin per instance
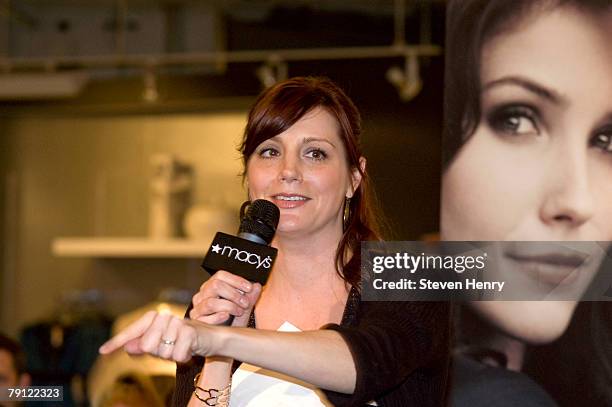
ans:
(165, 336)
(222, 295)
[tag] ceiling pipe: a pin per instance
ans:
(274, 62)
(195, 58)
(399, 22)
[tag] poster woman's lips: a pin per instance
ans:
(549, 268)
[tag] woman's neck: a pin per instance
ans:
(304, 270)
(305, 251)
(306, 264)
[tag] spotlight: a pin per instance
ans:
(408, 80)
(272, 72)
(150, 92)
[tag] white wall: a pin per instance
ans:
(89, 177)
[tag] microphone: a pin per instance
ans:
(247, 255)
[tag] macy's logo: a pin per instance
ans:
(242, 255)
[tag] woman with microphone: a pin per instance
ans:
(301, 151)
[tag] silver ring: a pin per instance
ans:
(167, 342)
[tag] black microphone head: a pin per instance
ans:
(261, 219)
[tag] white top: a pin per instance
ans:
(253, 386)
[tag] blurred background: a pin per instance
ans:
(119, 122)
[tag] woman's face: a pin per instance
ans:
(539, 165)
(304, 172)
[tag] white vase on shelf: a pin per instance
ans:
(170, 191)
(203, 221)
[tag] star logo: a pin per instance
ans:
(216, 248)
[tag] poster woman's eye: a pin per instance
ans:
(514, 120)
(603, 140)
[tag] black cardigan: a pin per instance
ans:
(401, 352)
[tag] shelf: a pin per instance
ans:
(113, 247)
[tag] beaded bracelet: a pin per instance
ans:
(213, 397)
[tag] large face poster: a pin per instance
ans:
(528, 157)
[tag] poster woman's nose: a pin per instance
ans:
(568, 200)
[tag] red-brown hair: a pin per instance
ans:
(282, 105)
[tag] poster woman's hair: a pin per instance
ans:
(470, 24)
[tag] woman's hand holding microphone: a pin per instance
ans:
(222, 295)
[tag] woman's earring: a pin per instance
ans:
(243, 209)
(346, 216)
